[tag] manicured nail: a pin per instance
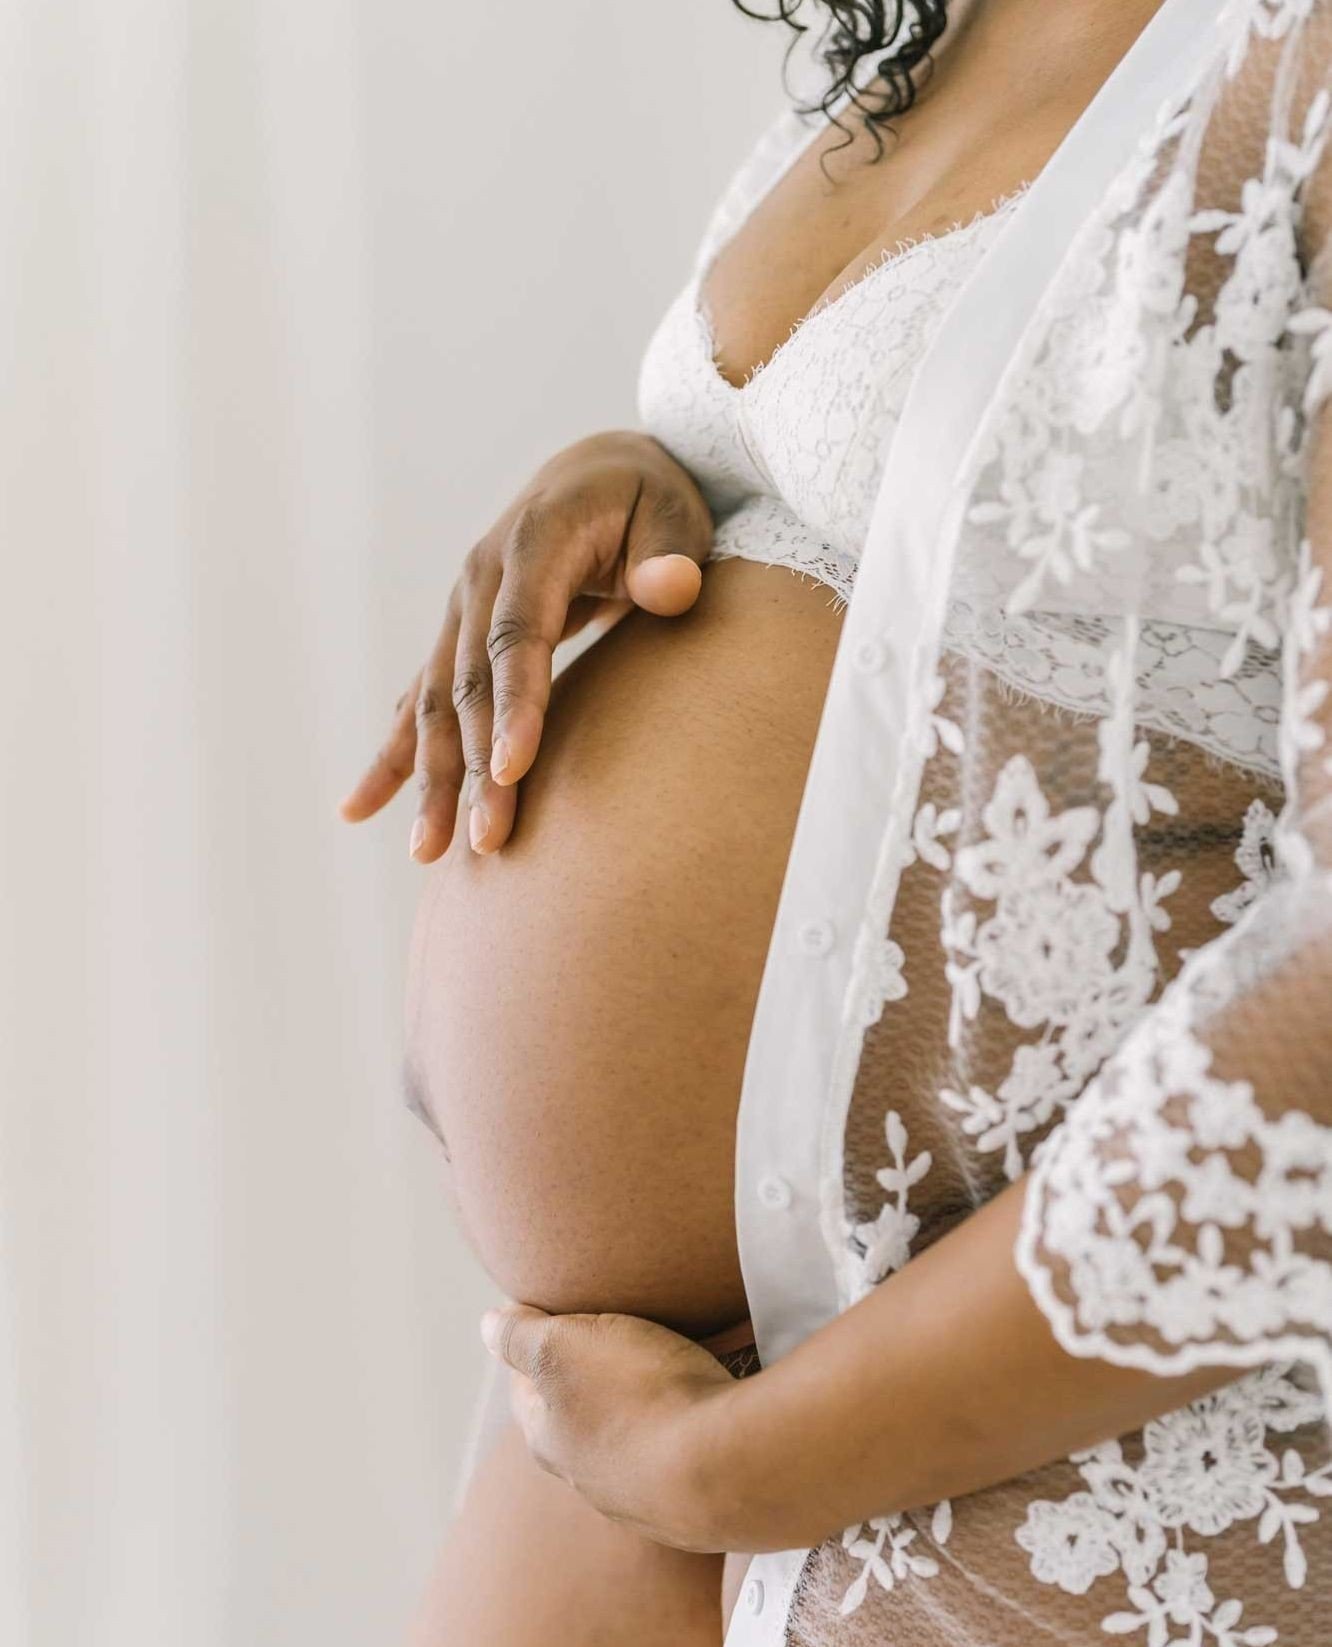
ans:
(418, 835)
(499, 758)
(477, 824)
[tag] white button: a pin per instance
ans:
(817, 937)
(754, 1595)
(869, 656)
(774, 1192)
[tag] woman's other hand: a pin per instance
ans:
(628, 1413)
(612, 518)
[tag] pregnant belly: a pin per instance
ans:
(579, 1004)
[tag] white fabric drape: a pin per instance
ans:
(238, 461)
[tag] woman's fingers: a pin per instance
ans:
(490, 807)
(669, 536)
(665, 540)
(531, 615)
(439, 760)
(595, 534)
(665, 584)
(391, 767)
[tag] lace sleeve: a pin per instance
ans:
(1181, 1215)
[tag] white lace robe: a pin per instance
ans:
(1059, 903)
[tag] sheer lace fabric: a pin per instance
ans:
(1098, 946)
(1103, 943)
(791, 461)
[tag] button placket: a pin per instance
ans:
(816, 937)
(764, 1600)
(869, 655)
(774, 1192)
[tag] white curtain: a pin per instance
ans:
(292, 294)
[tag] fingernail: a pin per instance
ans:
(490, 1330)
(418, 835)
(477, 824)
(499, 758)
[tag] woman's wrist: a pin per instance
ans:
(707, 1470)
(740, 1470)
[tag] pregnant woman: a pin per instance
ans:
(952, 783)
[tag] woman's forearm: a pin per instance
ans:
(944, 1380)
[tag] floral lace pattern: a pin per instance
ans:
(882, 1546)
(1046, 951)
(1111, 908)
(1203, 1469)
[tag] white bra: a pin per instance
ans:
(790, 461)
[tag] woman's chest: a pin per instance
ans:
(812, 427)
(835, 206)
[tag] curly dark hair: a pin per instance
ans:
(854, 30)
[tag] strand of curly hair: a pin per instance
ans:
(902, 33)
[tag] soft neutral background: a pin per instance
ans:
(293, 294)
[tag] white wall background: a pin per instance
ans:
(293, 294)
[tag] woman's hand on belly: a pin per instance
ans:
(942, 1381)
(622, 1410)
(611, 519)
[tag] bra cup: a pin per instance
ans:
(810, 428)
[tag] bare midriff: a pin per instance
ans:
(580, 1003)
